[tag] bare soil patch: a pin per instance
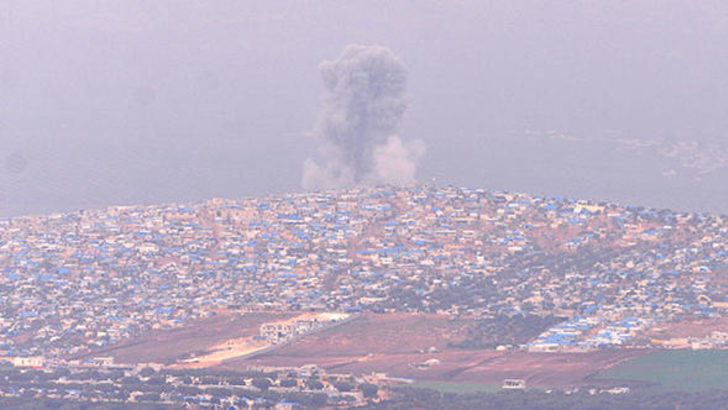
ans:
(400, 344)
(170, 345)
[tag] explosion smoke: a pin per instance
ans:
(364, 100)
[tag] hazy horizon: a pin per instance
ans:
(107, 103)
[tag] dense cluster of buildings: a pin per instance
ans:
(588, 333)
(287, 330)
(73, 281)
(113, 384)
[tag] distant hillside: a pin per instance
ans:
(88, 279)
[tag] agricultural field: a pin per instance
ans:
(671, 370)
(169, 346)
(423, 347)
(420, 347)
(457, 388)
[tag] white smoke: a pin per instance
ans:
(396, 162)
(364, 100)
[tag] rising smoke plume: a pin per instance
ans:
(363, 103)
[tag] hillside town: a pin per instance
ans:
(77, 281)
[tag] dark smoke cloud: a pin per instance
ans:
(364, 100)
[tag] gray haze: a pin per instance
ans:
(118, 102)
(364, 100)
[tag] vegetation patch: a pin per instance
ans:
(681, 370)
(457, 388)
(505, 330)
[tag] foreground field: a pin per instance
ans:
(195, 339)
(682, 370)
(413, 346)
(416, 346)
(487, 367)
(457, 388)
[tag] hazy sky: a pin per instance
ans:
(138, 101)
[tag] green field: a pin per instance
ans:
(460, 388)
(675, 370)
